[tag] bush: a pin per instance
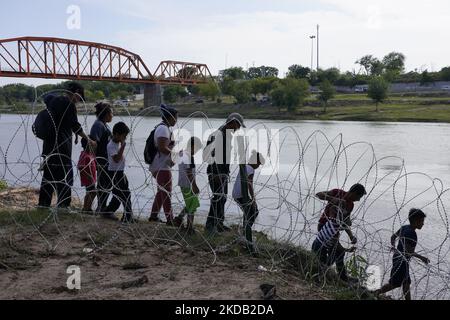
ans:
(378, 90)
(290, 93)
(3, 185)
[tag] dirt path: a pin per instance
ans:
(143, 261)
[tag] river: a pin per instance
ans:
(402, 165)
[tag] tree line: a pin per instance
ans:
(246, 85)
(94, 91)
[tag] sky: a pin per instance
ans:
(245, 32)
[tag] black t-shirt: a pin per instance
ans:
(407, 237)
(101, 133)
(65, 117)
(220, 150)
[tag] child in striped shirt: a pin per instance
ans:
(327, 246)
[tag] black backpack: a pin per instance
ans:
(44, 124)
(151, 149)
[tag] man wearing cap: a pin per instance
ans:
(217, 154)
(57, 152)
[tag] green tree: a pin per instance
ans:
(378, 90)
(426, 78)
(262, 72)
(18, 92)
(445, 74)
(299, 72)
(327, 93)
(173, 93)
(227, 86)
(188, 73)
(2, 97)
(170, 94)
(262, 85)
(121, 94)
(332, 75)
(242, 91)
(209, 90)
(235, 73)
(395, 62)
(290, 93)
(366, 62)
(376, 68)
(195, 90)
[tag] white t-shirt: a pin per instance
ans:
(161, 161)
(113, 150)
(237, 192)
(184, 165)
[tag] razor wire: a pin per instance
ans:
(289, 210)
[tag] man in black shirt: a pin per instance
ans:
(217, 154)
(57, 150)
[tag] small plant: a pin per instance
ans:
(357, 268)
(3, 185)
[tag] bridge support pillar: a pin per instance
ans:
(152, 95)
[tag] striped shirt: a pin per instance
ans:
(329, 234)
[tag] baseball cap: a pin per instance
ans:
(236, 117)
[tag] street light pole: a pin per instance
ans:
(318, 65)
(312, 52)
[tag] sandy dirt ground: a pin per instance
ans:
(142, 261)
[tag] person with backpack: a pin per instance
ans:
(217, 154)
(158, 154)
(56, 125)
(101, 133)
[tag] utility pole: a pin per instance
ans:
(318, 47)
(312, 52)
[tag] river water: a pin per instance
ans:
(402, 165)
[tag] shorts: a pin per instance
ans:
(400, 272)
(191, 200)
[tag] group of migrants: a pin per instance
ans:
(102, 166)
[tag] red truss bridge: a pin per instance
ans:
(54, 58)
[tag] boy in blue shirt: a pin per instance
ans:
(402, 255)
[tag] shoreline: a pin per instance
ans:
(145, 261)
(400, 113)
